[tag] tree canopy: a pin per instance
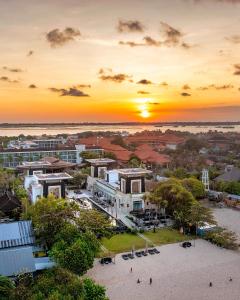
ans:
(49, 215)
(57, 284)
(194, 186)
(6, 288)
(75, 250)
(181, 203)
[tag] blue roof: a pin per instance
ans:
(14, 234)
(17, 260)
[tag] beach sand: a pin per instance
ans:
(177, 273)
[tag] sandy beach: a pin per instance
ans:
(177, 273)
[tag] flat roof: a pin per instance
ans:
(16, 260)
(99, 161)
(133, 171)
(53, 176)
(34, 164)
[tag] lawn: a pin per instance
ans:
(123, 242)
(166, 236)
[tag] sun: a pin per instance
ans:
(145, 114)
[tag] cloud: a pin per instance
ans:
(73, 91)
(216, 87)
(237, 69)
(151, 42)
(130, 26)
(30, 53)
(172, 35)
(57, 38)
(235, 39)
(224, 87)
(186, 87)
(13, 70)
(185, 94)
(164, 84)
(32, 86)
(84, 86)
(171, 38)
(144, 81)
(186, 46)
(108, 75)
(154, 103)
(7, 79)
(147, 41)
(143, 92)
(131, 44)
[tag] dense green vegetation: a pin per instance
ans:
(53, 284)
(177, 198)
(232, 187)
(71, 241)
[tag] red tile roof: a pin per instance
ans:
(146, 153)
(157, 138)
(105, 143)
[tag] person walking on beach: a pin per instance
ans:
(150, 280)
(210, 284)
(131, 270)
(230, 279)
(138, 281)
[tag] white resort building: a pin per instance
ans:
(123, 187)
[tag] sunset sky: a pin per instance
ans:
(111, 60)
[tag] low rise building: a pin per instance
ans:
(17, 248)
(11, 158)
(41, 185)
(49, 143)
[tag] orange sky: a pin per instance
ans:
(106, 61)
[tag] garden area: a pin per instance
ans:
(166, 236)
(123, 242)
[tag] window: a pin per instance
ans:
(136, 187)
(123, 185)
(101, 172)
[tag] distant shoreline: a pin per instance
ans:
(13, 125)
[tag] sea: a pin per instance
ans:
(73, 129)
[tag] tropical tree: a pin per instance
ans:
(58, 284)
(74, 250)
(6, 288)
(93, 220)
(200, 215)
(134, 162)
(89, 154)
(194, 186)
(93, 291)
(179, 200)
(79, 179)
(49, 215)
